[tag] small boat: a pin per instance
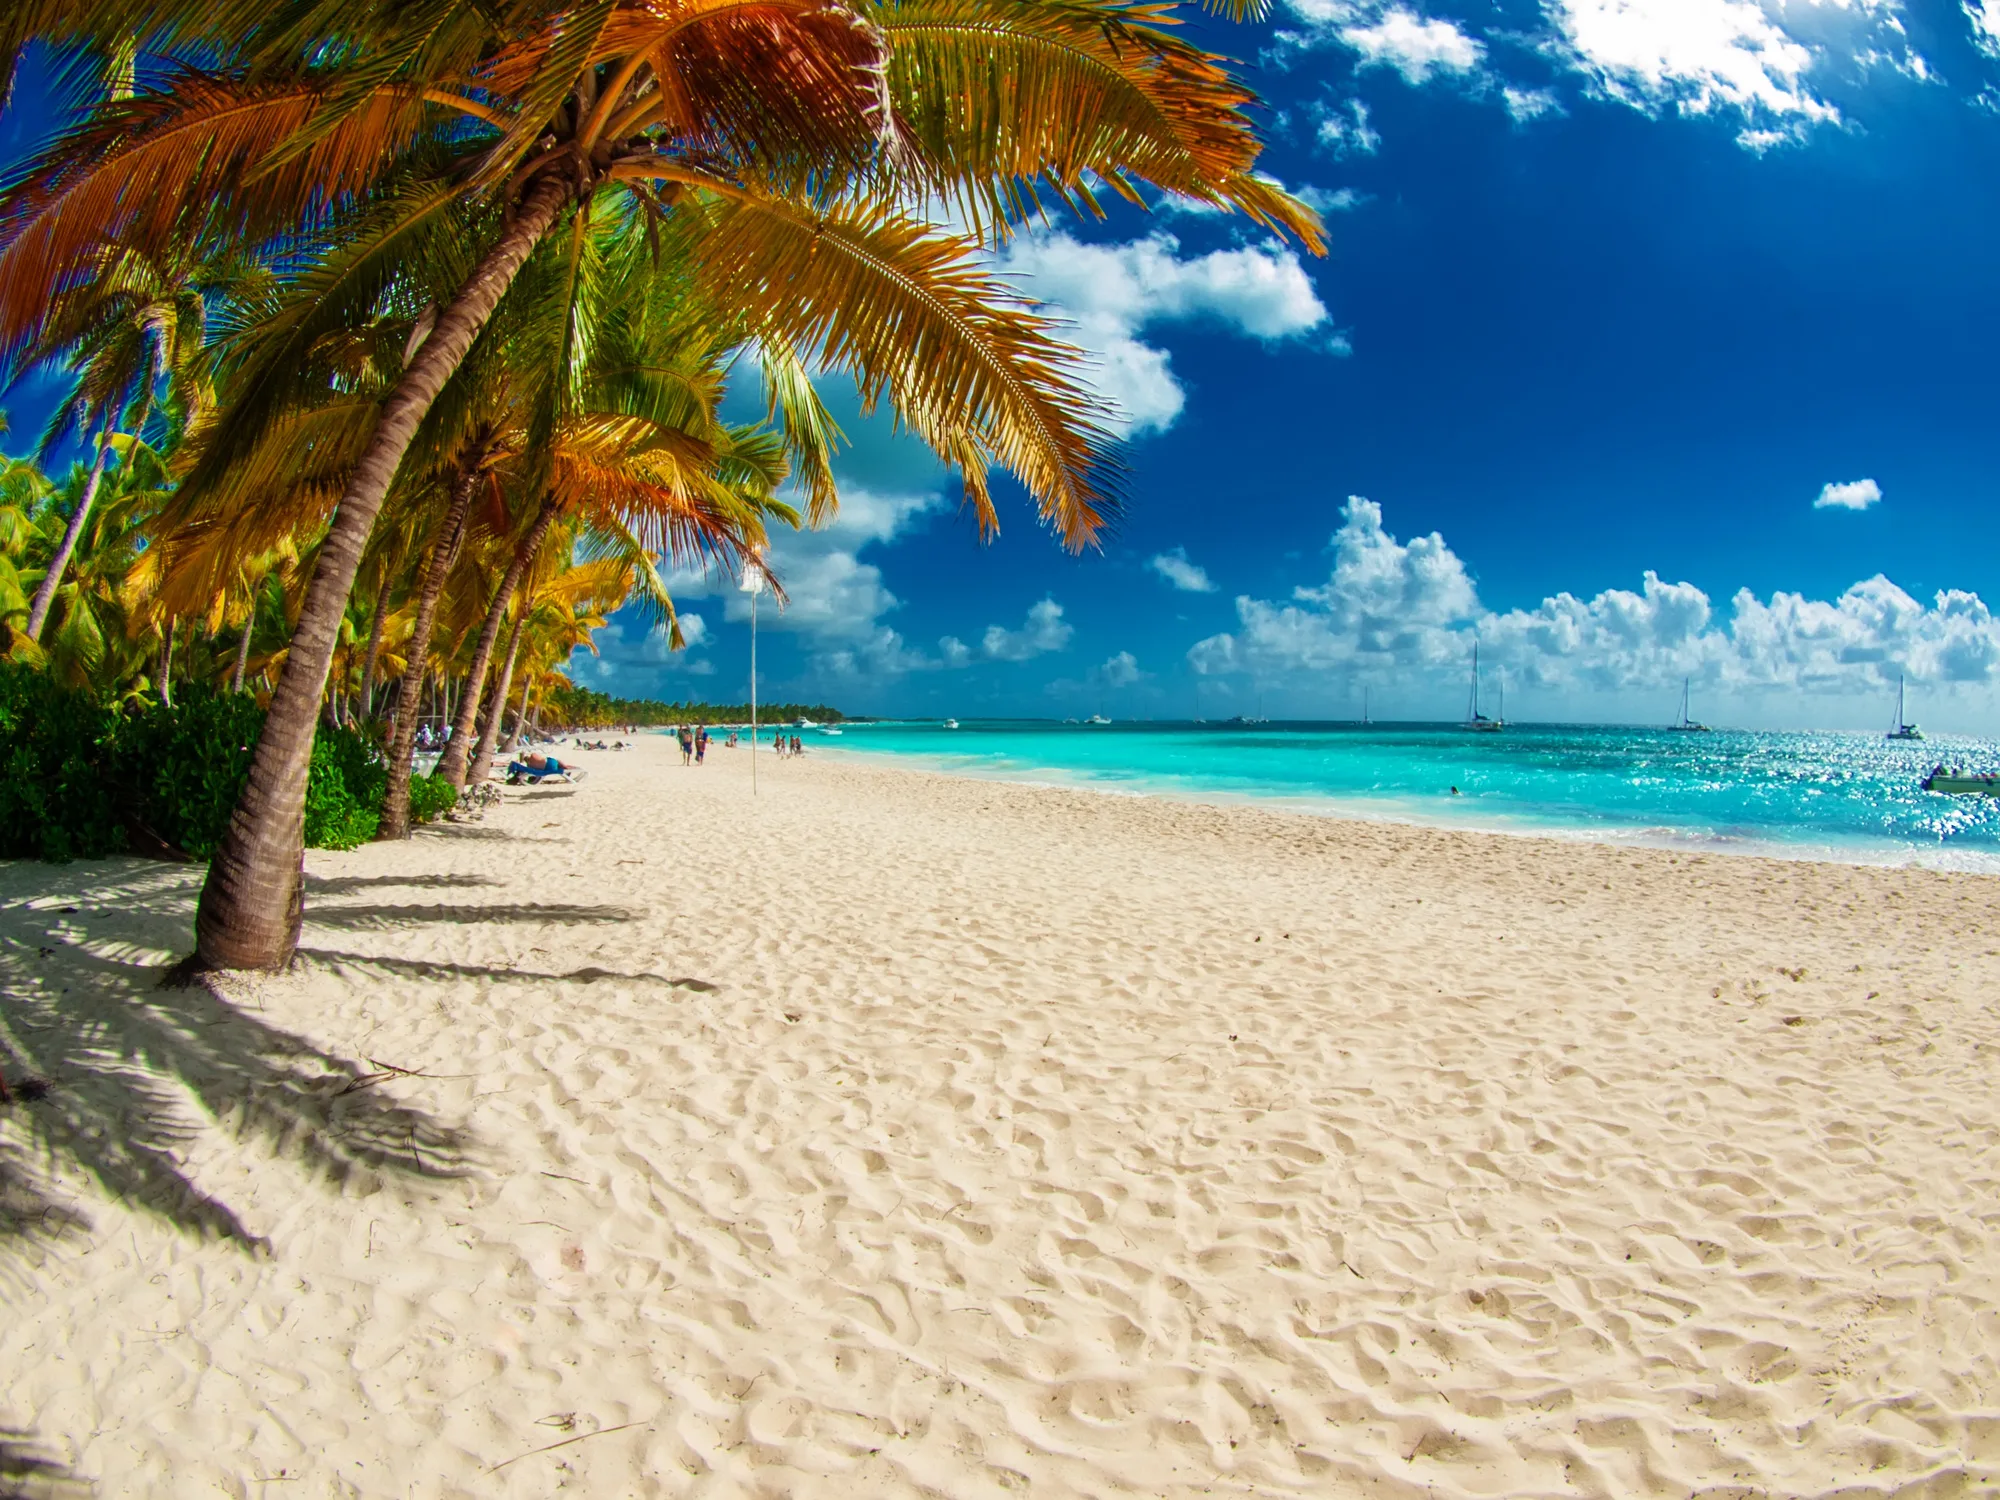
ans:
(1097, 719)
(1955, 781)
(1475, 720)
(1903, 730)
(807, 724)
(829, 729)
(951, 723)
(1364, 708)
(1687, 725)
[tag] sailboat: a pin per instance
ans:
(1364, 708)
(1903, 730)
(1475, 720)
(1687, 725)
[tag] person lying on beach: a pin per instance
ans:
(533, 767)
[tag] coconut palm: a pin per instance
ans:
(785, 145)
(132, 334)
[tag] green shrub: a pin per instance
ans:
(430, 798)
(344, 791)
(79, 780)
(54, 804)
(179, 768)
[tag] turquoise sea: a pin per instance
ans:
(1840, 796)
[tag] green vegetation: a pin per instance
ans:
(570, 707)
(400, 336)
(81, 779)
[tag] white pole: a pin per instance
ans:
(752, 583)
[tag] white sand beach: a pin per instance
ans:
(901, 1135)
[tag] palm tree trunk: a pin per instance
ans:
(457, 751)
(45, 591)
(482, 757)
(243, 649)
(520, 718)
(254, 899)
(395, 822)
(367, 691)
(167, 663)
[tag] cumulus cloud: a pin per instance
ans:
(1343, 128)
(1121, 670)
(1044, 630)
(1414, 46)
(623, 648)
(837, 601)
(1412, 607)
(1530, 104)
(1856, 494)
(1985, 18)
(1113, 293)
(1186, 576)
(1751, 57)
(1765, 61)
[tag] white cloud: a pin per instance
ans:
(1413, 46)
(953, 651)
(1395, 607)
(621, 650)
(1338, 200)
(1044, 630)
(1112, 293)
(1767, 61)
(1186, 576)
(1856, 494)
(1749, 56)
(1344, 129)
(1530, 104)
(1985, 18)
(1121, 670)
(835, 599)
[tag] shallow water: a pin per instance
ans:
(1843, 796)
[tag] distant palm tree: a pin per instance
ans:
(132, 333)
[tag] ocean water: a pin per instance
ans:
(1839, 796)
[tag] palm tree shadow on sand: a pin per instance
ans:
(29, 1472)
(131, 1063)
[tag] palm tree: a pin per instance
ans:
(785, 145)
(132, 334)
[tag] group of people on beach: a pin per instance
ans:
(694, 739)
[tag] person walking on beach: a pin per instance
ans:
(687, 744)
(700, 743)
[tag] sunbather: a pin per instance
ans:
(533, 767)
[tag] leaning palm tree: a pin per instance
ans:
(788, 145)
(128, 332)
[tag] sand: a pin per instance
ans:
(896, 1134)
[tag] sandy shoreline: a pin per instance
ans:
(907, 1134)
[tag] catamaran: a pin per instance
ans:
(1687, 725)
(1475, 720)
(1903, 730)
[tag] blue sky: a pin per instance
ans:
(1654, 341)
